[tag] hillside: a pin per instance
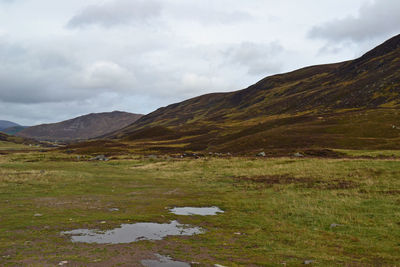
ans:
(5, 138)
(81, 128)
(352, 104)
(14, 130)
(7, 124)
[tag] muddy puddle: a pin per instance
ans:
(196, 211)
(129, 233)
(163, 261)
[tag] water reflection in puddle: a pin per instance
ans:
(128, 233)
(164, 262)
(196, 211)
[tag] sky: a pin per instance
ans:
(65, 58)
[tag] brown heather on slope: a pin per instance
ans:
(81, 128)
(353, 104)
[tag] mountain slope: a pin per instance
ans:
(5, 139)
(80, 128)
(350, 104)
(7, 124)
(14, 130)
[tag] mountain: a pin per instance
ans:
(81, 128)
(7, 124)
(14, 130)
(352, 104)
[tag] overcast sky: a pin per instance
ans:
(65, 58)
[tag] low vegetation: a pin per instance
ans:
(331, 211)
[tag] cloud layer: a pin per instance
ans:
(376, 19)
(61, 59)
(116, 12)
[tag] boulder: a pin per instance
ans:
(100, 158)
(261, 154)
(298, 155)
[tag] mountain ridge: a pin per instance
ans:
(327, 98)
(80, 128)
(7, 124)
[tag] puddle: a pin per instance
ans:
(129, 233)
(196, 211)
(164, 262)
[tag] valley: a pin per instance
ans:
(301, 168)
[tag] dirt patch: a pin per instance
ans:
(323, 153)
(286, 179)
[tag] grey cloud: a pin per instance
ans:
(51, 73)
(116, 12)
(257, 58)
(30, 74)
(377, 19)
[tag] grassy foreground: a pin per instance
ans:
(277, 211)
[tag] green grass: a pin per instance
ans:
(282, 208)
(12, 146)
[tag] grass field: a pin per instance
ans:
(278, 211)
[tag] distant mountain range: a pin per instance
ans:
(81, 128)
(11, 128)
(7, 124)
(352, 104)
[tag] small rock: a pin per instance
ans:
(61, 263)
(298, 155)
(114, 209)
(308, 262)
(334, 225)
(103, 222)
(237, 233)
(219, 265)
(152, 157)
(261, 154)
(38, 215)
(100, 158)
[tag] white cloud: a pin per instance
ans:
(257, 58)
(107, 75)
(379, 18)
(116, 12)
